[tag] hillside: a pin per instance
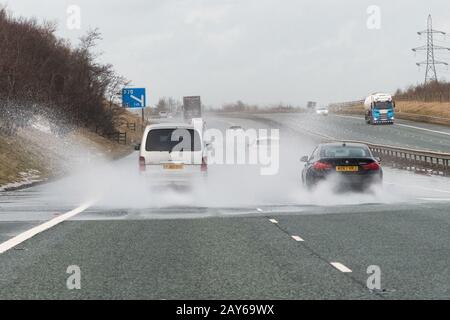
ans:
(35, 154)
(57, 102)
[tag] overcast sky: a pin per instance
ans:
(259, 51)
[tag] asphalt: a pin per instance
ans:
(403, 133)
(185, 251)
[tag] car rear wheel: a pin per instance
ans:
(308, 183)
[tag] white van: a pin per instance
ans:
(173, 153)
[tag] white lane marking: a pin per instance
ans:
(259, 209)
(416, 187)
(350, 117)
(11, 243)
(297, 238)
(273, 220)
(402, 125)
(424, 129)
(340, 267)
(433, 199)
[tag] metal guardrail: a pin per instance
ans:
(419, 161)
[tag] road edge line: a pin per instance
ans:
(11, 243)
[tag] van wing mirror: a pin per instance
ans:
(304, 159)
(137, 147)
(208, 143)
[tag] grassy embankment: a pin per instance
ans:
(35, 155)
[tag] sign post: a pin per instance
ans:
(134, 98)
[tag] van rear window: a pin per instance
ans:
(176, 139)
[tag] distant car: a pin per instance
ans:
(235, 127)
(352, 163)
(163, 114)
(322, 111)
(172, 153)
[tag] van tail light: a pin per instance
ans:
(371, 166)
(141, 164)
(204, 165)
(321, 166)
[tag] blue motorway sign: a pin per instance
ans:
(133, 97)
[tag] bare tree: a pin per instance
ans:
(42, 74)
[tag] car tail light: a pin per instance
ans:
(204, 165)
(321, 166)
(141, 164)
(371, 166)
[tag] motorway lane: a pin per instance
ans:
(211, 258)
(403, 133)
(411, 246)
(238, 257)
(24, 209)
(207, 251)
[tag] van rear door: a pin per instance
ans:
(173, 145)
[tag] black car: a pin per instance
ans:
(352, 163)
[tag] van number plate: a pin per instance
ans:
(173, 166)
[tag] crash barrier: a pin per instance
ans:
(414, 160)
(419, 161)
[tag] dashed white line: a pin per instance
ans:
(340, 267)
(11, 243)
(259, 210)
(273, 221)
(297, 238)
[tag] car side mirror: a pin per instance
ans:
(304, 159)
(137, 147)
(378, 159)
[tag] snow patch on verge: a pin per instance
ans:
(27, 178)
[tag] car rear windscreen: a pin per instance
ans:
(345, 152)
(176, 139)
